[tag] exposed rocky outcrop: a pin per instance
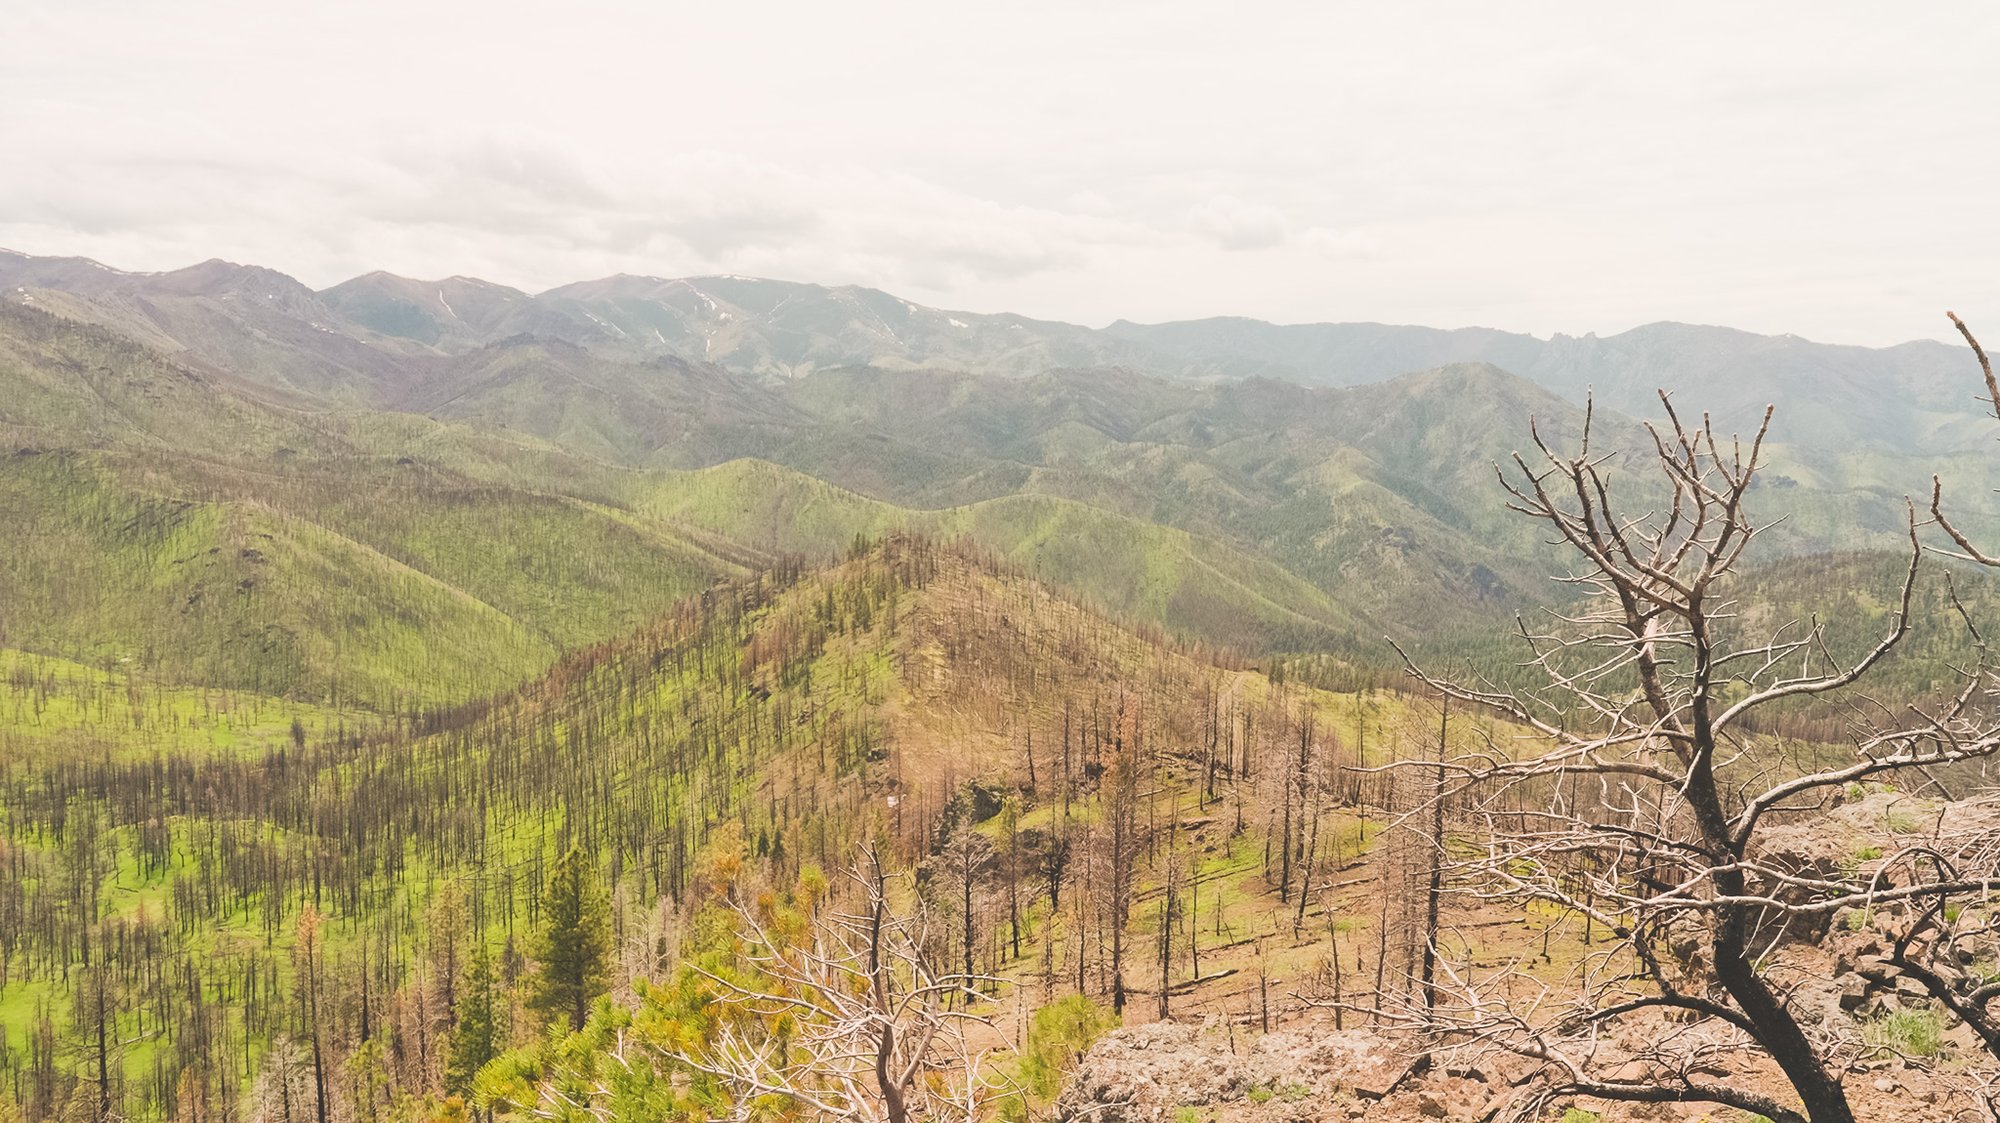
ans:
(1308, 1072)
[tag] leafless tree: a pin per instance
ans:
(965, 855)
(1637, 805)
(881, 1032)
(1966, 549)
(1947, 928)
(284, 1091)
(1939, 922)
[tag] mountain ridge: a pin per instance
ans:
(784, 328)
(1344, 510)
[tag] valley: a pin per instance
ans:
(340, 630)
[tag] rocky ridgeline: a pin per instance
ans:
(1312, 1073)
(1844, 989)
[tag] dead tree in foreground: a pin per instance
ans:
(1945, 938)
(878, 1033)
(1650, 785)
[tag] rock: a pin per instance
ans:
(1885, 1084)
(1853, 993)
(1875, 969)
(1878, 1007)
(1429, 1106)
(1145, 1073)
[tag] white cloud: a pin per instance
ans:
(1236, 225)
(1563, 167)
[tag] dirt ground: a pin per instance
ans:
(1212, 1062)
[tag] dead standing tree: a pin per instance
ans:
(1937, 940)
(879, 1033)
(1648, 705)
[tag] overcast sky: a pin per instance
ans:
(1826, 168)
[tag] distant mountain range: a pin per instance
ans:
(1307, 487)
(1903, 397)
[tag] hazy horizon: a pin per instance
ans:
(1579, 170)
(1096, 324)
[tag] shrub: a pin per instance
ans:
(1061, 1032)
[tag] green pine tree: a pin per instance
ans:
(476, 1038)
(574, 945)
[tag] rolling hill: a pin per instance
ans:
(575, 460)
(235, 594)
(1258, 514)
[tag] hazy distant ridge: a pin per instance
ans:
(1897, 398)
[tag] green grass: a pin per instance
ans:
(1910, 1032)
(67, 384)
(215, 584)
(1906, 821)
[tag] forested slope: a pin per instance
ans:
(787, 714)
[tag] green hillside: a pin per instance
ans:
(236, 594)
(570, 570)
(54, 710)
(769, 721)
(1196, 587)
(64, 384)
(534, 474)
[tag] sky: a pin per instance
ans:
(1826, 169)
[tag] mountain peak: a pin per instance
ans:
(216, 277)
